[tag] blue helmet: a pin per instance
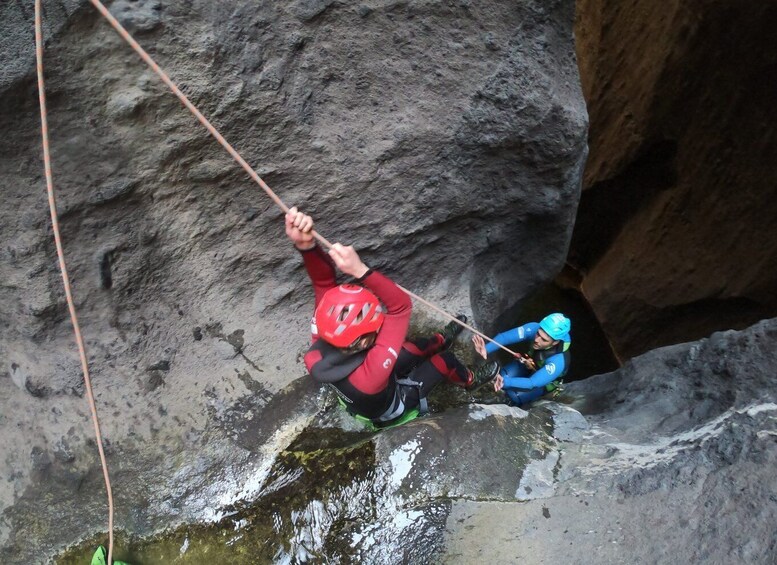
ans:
(557, 326)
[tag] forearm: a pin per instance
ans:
(321, 270)
(537, 379)
(374, 373)
(509, 337)
(396, 300)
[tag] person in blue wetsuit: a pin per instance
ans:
(529, 377)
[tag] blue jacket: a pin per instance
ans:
(552, 367)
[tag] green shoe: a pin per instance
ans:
(483, 375)
(100, 557)
(451, 330)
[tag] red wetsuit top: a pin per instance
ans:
(364, 380)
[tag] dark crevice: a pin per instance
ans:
(608, 205)
(691, 321)
(591, 351)
(106, 275)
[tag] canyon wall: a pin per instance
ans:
(675, 232)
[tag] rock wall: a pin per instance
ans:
(432, 135)
(17, 43)
(671, 462)
(674, 233)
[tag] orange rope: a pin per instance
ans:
(242, 162)
(63, 268)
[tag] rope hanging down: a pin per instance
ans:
(63, 268)
(242, 162)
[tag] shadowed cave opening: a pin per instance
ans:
(591, 351)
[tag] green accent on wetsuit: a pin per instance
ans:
(100, 557)
(403, 419)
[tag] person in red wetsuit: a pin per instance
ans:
(359, 330)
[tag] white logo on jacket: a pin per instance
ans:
(387, 362)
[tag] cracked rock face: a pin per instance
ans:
(431, 135)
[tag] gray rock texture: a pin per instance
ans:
(446, 141)
(17, 42)
(431, 135)
(669, 460)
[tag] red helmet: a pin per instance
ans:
(346, 313)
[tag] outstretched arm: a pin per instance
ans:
(318, 264)
(552, 370)
(373, 374)
(513, 336)
(480, 345)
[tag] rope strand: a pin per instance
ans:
(242, 162)
(63, 268)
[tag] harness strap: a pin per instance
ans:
(555, 388)
(423, 405)
(394, 411)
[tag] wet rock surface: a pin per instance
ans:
(618, 469)
(668, 460)
(339, 493)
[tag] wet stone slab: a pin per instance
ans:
(338, 493)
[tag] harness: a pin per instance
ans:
(376, 426)
(383, 409)
(423, 405)
(539, 357)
